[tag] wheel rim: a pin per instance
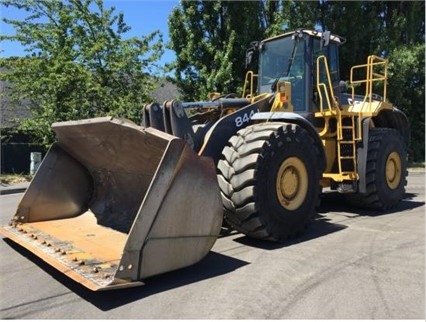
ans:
(393, 170)
(292, 183)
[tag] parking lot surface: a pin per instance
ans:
(349, 264)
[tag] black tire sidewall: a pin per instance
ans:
(390, 142)
(288, 143)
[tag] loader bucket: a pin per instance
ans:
(113, 203)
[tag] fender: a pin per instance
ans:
(295, 118)
(218, 135)
(395, 119)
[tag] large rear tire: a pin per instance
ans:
(386, 175)
(269, 179)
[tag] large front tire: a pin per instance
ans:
(386, 174)
(269, 179)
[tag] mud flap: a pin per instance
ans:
(113, 203)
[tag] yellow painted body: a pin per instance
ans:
(340, 142)
(341, 128)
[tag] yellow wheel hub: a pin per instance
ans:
(393, 170)
(292, 183)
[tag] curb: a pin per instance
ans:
(11, 188)
(11, 191)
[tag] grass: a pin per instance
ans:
(416, 164)
(15, 178)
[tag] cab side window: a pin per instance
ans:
(331, 52)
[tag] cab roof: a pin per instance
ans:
(313, 33)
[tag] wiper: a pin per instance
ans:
(290, 63)
(293, 54)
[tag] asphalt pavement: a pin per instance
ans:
(8, 188)
(348, 264)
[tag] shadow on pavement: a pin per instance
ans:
(335, 202)
(319, 227)
(331, 202)
(214, 264)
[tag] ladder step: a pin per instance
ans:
(344, 175)
(347, 147)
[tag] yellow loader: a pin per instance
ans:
(114, 203)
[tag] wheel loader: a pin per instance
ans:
(114, 203)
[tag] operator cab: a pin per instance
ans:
(292, 57)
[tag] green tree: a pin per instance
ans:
(407, 90)
(210, 39)
(394, 30)
(404, 45)
(79, 64)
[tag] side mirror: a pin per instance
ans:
(325, 39)
(254, 45)
(249, 56)
(343, 87)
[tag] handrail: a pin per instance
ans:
(372, 75)
(250, 77)
(333, 108)
(322, 85)
(334, 111)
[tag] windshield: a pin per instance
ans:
(283, 58)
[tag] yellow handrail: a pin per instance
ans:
(250, 79)
(374, 63)
(322, 85)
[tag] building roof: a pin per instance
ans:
(165, 91)
(11, 115)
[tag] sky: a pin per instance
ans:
(143, 16)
